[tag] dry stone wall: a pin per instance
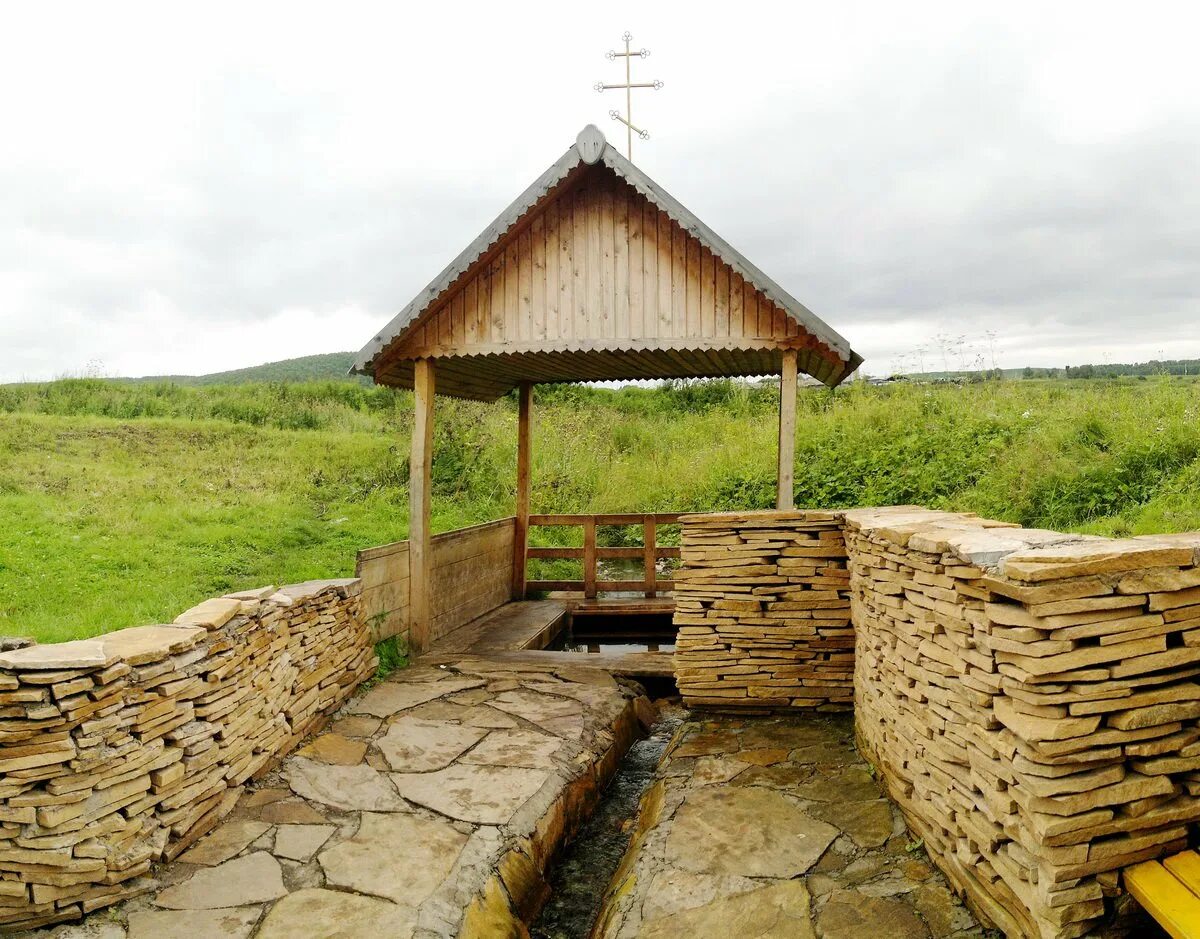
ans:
(124, 749)
(1032, 702)
(763, 613)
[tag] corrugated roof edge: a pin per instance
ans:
(590, 147)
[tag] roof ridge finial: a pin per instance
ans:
(590, 143)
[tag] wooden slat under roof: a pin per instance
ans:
(596, 273)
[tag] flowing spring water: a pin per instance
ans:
(583, 871)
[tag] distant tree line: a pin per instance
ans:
(1116, 370)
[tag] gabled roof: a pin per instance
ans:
(836, 359)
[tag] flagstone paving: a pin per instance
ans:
(775, 828)
(428, 809)
(433, 802)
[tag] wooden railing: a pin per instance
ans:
(590, 553)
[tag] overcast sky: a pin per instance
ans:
(191, 188)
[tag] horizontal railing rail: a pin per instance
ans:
(590, 553)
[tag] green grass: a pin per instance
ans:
(126, 503)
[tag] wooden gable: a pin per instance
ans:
(595, 273)
(595, 265)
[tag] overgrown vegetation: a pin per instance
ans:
(125, 503)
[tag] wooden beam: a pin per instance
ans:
(589, 557)
(784, 499)
(524, 480)
(649, 556)
(420, 469)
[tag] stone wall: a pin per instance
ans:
(124, 749)
(1031, 700)
(471, 574)
(762, 612)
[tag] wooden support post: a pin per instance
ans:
(650, 556)
(787, 430)
(589, 557)
(524, 482)
(420, 468)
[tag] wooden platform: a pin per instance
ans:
(525, 624)
(620, 606)
(519, 631)
(626, 664)
(1170, 892)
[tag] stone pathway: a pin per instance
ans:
(775, 828)
(429, 808)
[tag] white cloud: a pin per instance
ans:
(195, 189)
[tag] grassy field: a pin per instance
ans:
(126, 503)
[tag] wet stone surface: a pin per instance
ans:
(775, 827)
(414, 815)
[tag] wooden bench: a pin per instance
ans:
(1170, 892)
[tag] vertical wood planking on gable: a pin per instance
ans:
(693, 288)
(471, 311)
(483, 299)
(649, 271)
(721, 300)
(607, 295)
(595, 291)
(566, 298)
(579, 262)
(601, 262)
(766, 316)
(708, 300)
(537, 289)
(512, 290)
(452, 317)
(634, 272)
(524, 286)
(621, 324)
(750, 310)
(736, 303)
(678, 280)
(666, 275)
(553, 290)
(497, 297)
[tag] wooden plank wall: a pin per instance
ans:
(471, 575)
(598, 262)
(384, 574)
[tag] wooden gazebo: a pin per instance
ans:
(594, 273)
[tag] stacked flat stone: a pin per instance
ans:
(124, 749)
(763, 613)
(1032, 701)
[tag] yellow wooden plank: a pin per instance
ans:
(1172, 905)
(1185, 866)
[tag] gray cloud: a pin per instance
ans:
(900, 172)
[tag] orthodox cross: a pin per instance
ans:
(627, 118)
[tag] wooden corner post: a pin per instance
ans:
(420, 468)
(788, 379)
(524, 485)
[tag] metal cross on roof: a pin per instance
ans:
(627, 118)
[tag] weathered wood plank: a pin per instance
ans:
(524, 479)
(787, 431)
(420, 468)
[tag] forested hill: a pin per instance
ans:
(328, 366)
